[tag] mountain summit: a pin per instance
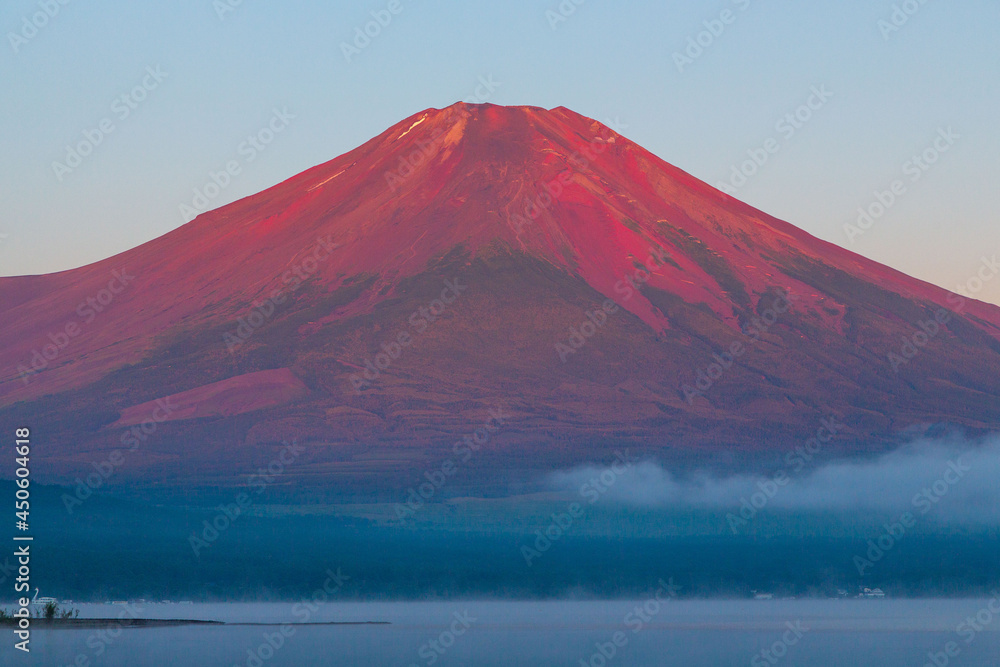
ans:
(525, 283)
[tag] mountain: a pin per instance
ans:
(510, 288)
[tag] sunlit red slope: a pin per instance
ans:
(543, 215)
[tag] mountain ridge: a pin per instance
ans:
(545, 216)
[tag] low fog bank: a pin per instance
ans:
(945, 479)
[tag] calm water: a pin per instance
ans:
(885, 633)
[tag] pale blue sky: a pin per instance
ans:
(224, 76)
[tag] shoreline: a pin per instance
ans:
(92, 623)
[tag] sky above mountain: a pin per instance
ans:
(163, 97)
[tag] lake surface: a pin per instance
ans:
(692, 633)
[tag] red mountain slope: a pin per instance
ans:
(540, 216)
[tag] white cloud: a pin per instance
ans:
(959, 479)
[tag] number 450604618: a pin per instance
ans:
(23, 449)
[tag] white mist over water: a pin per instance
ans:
(692, 633)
